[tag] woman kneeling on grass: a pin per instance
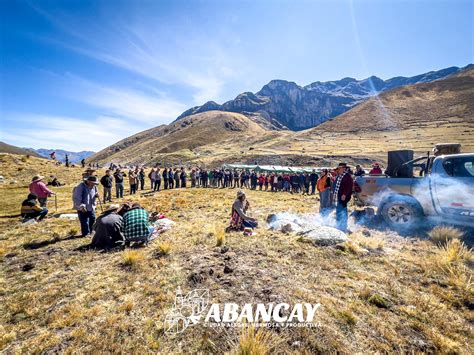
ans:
(108, 229)
(240, 220)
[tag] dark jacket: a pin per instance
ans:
(313, 178)
(29, 206)
(119, 177)
(106, 181)
(345, 188)
(108, 231)
(359, 172)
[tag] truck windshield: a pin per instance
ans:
(460, 167)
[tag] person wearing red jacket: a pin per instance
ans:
(376, 169)
(342, 195)
(261, 181)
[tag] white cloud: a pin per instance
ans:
(135, 105)
(162, 52)
(68, 133)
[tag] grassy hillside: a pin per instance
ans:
(412, 117)
(379, 292)
(447, 103)
(186, 140)
(8, 148)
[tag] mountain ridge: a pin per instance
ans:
(301, 107)
(12, 149)
(74, 157)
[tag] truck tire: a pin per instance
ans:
(401, 213)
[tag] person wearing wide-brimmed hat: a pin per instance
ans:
(376, 169)
(119, 187)
(107, 181)
(39, 188)
(108, 229)
(88, 172)
(342, 195)
(84, 198)
(239, 218)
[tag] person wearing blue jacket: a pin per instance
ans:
(170, 178)
(84, 199)
(165, 179)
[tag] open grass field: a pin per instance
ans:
(379, 292)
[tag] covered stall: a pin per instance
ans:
(272, 168)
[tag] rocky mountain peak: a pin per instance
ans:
(298, 107)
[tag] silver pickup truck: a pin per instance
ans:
(445, 190)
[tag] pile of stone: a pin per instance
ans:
(307, 227)
(324, 236)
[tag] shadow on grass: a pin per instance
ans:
(11, 216)
(88, 247)
(44, 243)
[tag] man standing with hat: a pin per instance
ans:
(342, 195)
(84, 198)
(39, 188)
(118, 176)
(106, 182)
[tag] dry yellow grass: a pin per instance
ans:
(57, 298)
(254, 341)
(133, 259)
(164, 248)
(440, 235)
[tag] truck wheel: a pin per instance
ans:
(401, 215)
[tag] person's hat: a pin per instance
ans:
(240, 193)
(37, 178)
(342, 165)
(112, 207)
(92, 179)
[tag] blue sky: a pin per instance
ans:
(81, 75)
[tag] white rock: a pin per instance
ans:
(68, 216)
(324, 236)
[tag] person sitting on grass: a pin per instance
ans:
(31, 210)
(54, 182)
(136, 225)
(239, 219)
(108, 229)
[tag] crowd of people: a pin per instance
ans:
(333, 186)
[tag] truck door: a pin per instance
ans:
(453, 188)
